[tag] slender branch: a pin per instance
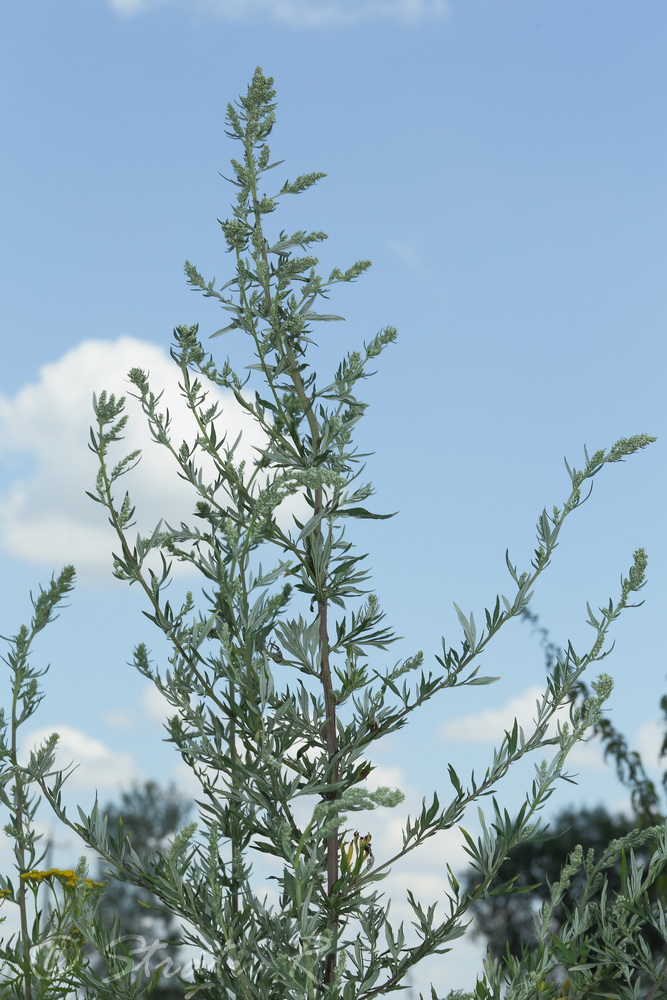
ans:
(332, 863)
(20, 855)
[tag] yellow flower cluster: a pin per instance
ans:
(66, 877)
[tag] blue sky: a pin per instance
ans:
(502, 163)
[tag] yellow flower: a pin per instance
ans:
(66, 876)
(33, 876)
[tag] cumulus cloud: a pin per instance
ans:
(45, 515)
(98, 766)
(130, 7)
(120, 719)
(648, 742)
(489, 725)
(153, 705)
(303, 13)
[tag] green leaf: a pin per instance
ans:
(361, 512)
(320, 316)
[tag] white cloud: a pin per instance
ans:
(45, 515)
(588, 755)
(120, 719)
(156, 705)
(409, 251)
(489, 726)
(304, 13)
(153, 705)
(98, 766)
(129, 7)
(648, 742)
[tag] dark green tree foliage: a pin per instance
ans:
(150, 815)
(628, 763)
(508, 920)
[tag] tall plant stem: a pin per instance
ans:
(20, 850)
(331, 737)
